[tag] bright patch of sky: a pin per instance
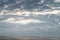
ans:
(22, 21)
(57, 0)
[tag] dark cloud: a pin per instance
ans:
(28, 4)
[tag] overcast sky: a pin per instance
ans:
(30, 17)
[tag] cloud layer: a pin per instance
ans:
(30, 17)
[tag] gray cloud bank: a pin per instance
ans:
(28, 4)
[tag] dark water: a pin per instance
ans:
(29, 38)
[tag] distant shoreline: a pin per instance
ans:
(29, 38)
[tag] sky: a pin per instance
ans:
(30, 17)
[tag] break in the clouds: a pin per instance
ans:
(30, 17)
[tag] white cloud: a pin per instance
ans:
(22, 20)
(59, 23)
(5, 6)
(42, 1)
(57, 0)
(28, 13)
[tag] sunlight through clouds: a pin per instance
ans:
(28, 13)
(22, 21)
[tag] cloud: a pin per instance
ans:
(22, 21)
(57, 0)
(28, 13)
(27, 18)
(28, 4)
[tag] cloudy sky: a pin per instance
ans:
(30, 17)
